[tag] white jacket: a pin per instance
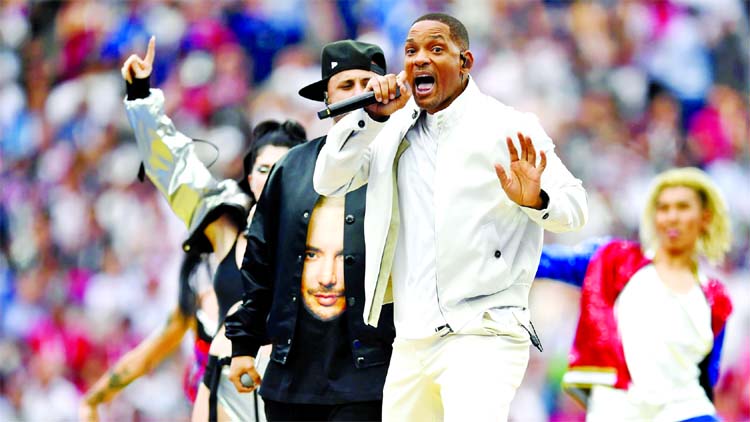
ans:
(488, 247)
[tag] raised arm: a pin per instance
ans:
(344, 161)
(343, 164)
(539, 182)
(168, 156)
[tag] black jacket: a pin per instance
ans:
(273, 267)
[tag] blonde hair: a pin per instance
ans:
(715, 242)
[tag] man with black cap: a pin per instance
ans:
(304, 267)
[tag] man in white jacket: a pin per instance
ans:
(461, 188)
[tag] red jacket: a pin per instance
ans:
(597, 357)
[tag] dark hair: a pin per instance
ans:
(459, 34)
(188, 297)
(270, 132)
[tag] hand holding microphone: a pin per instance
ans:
(384, 95)
(246, 381)
(352, 103)
(243, 375)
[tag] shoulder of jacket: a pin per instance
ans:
(622, 244)
(715, 288)
(619, 250)
(302, 152)
(407, 115)
(490, 106)
(304, 148)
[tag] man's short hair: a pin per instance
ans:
(459, 34)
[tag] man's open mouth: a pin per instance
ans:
(424, 84)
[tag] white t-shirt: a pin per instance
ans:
(665, 335)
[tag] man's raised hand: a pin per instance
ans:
(524, 184)
(140, 68)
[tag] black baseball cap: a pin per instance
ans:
(344, 55)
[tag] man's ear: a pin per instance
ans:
(467, 60)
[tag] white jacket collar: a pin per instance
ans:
(460, 103)
(411, 110)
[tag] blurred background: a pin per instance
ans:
(89, 256)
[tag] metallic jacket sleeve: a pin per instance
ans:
(174, 168)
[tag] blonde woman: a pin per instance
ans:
(651, 328)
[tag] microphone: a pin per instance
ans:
(246, 380)
(349, 104)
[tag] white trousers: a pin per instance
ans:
(467, 376)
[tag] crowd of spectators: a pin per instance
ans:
(89, 256)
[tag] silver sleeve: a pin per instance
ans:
(172, 165)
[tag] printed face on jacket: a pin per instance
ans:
(323, 272)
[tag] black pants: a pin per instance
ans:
(356, 411)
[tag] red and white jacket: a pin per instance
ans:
(602, 271)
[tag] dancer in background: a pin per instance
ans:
(158, 346)
(651, 328)
(215, 212)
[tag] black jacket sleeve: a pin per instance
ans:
(246, 328)
(140, 88)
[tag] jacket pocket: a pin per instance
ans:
(505, 325)
(494, 273)
(372, 355)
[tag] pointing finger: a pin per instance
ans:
(151, 51)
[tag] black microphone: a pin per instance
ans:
(349, 104)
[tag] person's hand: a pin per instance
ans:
(384, 88)
(523, 185)
(140, 68)
(87, 412)
(243, 365)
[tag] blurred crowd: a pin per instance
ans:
(89, 256)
